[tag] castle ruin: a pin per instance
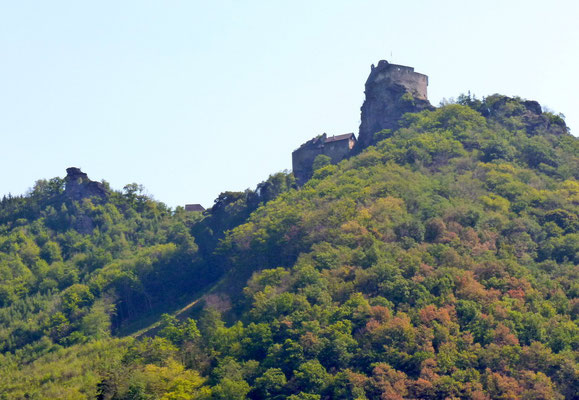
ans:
(194, 208)
(391, 91)
(335, 147)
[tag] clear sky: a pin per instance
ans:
(192, 98)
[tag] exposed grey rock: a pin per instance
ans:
(78, 186)
(391, 91)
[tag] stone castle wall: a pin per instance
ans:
(415, 83)
(303, 158)
(337, 151)
(385, 100)
(387, 89)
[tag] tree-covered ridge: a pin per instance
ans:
(439, 263)
(460, 230)
(68, 265)
(60, 282)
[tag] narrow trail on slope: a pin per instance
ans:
(180, 314)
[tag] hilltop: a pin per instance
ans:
(437, 260)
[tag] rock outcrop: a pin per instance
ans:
(391, 91)
(78, 186)
(534, 120)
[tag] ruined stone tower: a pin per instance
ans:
(391, 91)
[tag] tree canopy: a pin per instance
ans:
(439, 263)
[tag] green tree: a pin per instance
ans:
(321, 161)
(271, 384)
(311, 377)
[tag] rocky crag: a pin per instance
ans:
(78, 186)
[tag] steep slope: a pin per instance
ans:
(439, 263)
(79, 260)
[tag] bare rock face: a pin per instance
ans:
(391, 91)
(78, 186)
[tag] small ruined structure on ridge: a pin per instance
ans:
(194, 207)
(391, 90)
(335, 147)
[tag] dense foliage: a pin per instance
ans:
(439, 263)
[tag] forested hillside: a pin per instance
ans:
(441, 262)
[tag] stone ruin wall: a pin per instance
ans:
(392, 74)
(303, 158)
(385, 103)
(383, 107)
(415, 83)
(337, 151)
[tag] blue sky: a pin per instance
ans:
(192, 98)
